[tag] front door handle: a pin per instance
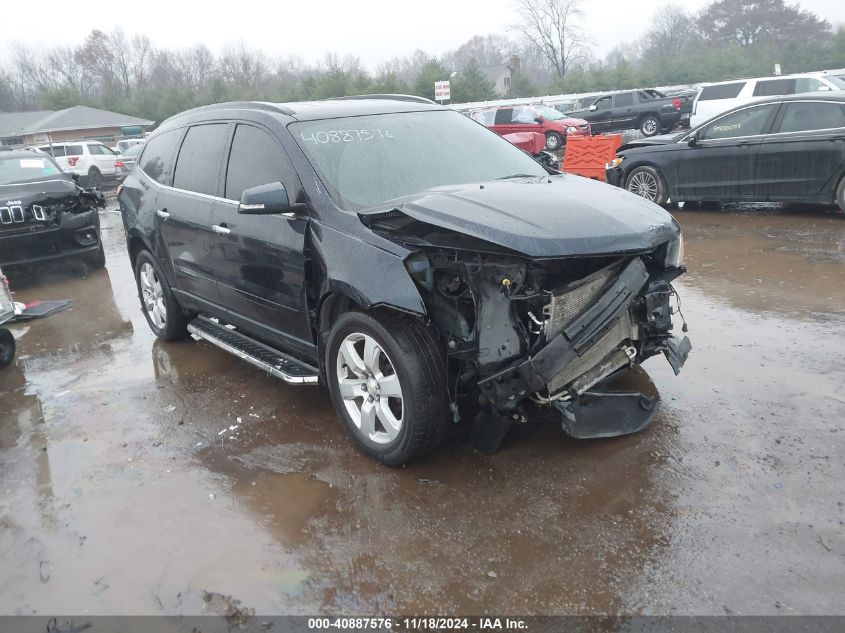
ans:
(221, 229)
(163, 214)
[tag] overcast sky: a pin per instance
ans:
(374, 30)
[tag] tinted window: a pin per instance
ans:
(774, 87)
(257, 159)
(158, 154)
(721, 91)
(624, 100)
(95, 150)
(747, 122)
(198, 164)
(812, 116)
(73, 150)
(503, 116)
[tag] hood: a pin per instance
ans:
(36, 191)
(554, 216)
(661, 139)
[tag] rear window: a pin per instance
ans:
(198, 166)
(503, 116)
(774, 87)
(158, 155)
(721, 91)
(812, 115)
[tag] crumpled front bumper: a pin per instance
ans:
(595, 342)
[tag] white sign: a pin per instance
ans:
(442, 91)
(777, 69)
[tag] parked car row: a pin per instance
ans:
(542, 119)
(715, 98)
(780, 149)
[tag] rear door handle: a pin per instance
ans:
(163, 214)
(221, 229)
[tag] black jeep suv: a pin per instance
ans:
(44, 214)
(420, 266)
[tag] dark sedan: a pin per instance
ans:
(783, 149)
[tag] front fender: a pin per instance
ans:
(365, 273)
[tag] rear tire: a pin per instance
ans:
(648, 183)
(371, 354)
(7, 348)
(649, 126)
(163, 313)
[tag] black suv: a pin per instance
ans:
(44, 214)
(420, 266)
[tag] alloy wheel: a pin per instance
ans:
(370, 388)
(644, 185)
(649, 127)
(152, 295)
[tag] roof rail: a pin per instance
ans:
(391, 97)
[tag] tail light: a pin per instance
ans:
(72, 160)
(120, 163)
(677, 104)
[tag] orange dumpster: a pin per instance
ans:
(587, 155)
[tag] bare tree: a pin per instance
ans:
(551, 27)
(243, 66)
(671, 31)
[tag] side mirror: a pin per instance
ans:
(593, 108)
(538, 119)
(267, 200)
(693, 140)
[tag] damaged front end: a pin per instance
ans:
(552, 332)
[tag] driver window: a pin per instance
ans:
(808, 84)
(603, 103)
(257, 159)
(747, 122)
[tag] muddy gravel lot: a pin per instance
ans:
(139, 477)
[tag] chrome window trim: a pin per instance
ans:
(187, 191)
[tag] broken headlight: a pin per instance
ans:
(675, 252)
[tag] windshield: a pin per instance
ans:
(368, 160)
(550, 113)
(19, 169)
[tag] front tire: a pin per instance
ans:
(649, 126)
(648, 183)
(387, 379)
(553, 141)
(840, 194)
(163, 313)
(7, 348)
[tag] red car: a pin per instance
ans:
(554, 125)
